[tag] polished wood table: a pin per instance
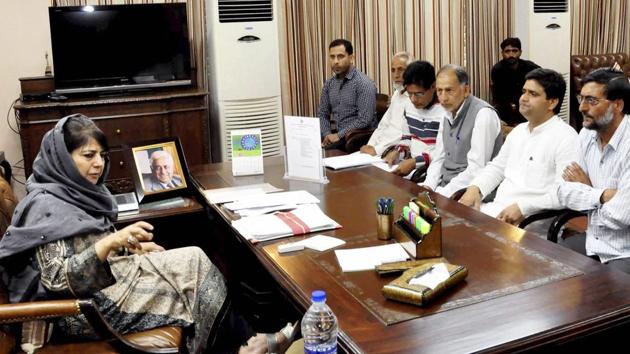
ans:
(522, 292)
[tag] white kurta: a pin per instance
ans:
(528, 169)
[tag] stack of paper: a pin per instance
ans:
(230, 194)
(272, 199)
(304, 219)
(351, 160)
(367, 258)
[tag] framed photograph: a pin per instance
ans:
(160, 169)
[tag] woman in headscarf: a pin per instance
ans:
(62, 243)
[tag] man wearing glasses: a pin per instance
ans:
(599, 182)
(420, 116)
(469, 136)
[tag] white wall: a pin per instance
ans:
(24, 39)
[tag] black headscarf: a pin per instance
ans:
(60, 202)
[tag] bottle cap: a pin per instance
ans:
(318, 296)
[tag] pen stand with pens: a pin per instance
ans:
(384, 218)
(419, 228)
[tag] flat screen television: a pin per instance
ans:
(119, 47)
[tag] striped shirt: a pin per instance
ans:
(608, 232)
(351, 99)
(425, 123)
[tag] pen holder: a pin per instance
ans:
(419, 246)
(384, 226)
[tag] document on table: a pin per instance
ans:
(304, 219)
(432, 277)
(321, 242)
(357, 259)
(272, 199)
(230, 194)
(303, 148)
(351, 160)
(384, 166)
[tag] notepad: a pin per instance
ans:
(367, 258)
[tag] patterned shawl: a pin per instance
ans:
(60, 202)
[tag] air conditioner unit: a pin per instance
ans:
(545, 32)
(244, 73)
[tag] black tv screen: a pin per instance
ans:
(118, 47)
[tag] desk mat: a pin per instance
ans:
(497, 267)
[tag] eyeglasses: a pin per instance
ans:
(590, 100)
(415, 94)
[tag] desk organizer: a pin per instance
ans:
(420, 245)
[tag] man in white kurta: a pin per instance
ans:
(529, 166)
(393, 121)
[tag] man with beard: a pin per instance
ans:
(391, 125)
(599, 182)
(349, 96)
(507, 79)
(529, 165)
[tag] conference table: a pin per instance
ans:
(522, 291)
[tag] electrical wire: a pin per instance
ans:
(15, 130)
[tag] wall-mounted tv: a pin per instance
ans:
(119, 47)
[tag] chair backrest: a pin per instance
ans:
(581, 65)
(8, 201)
(382, 105)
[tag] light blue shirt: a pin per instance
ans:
(608, 232)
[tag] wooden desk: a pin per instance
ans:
(567, 311)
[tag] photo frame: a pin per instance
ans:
(159, 169)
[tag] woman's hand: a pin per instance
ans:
(146, 248)
(131, 237)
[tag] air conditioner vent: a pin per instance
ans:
(550, 6)
(245, 10)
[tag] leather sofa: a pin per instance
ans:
(584, 64)
(159, 340)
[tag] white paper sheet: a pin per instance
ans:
(367, 258)
(351, 160)
(265, 210)
(432, 276)
(304, 150)
(384, 166)
(273, 199)
(269, 226)
(321, 242)
(230, 194)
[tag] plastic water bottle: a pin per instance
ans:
(319, 326)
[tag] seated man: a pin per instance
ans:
(349, 96)
(162, 173)
(506, 81)
(469, 136)
(529, 166)
(391, 125)
(423, 119)
(599, 183)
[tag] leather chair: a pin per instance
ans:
(359, 137)
(542, 215)
(562, 219)
(159, 340)
(584, 64)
